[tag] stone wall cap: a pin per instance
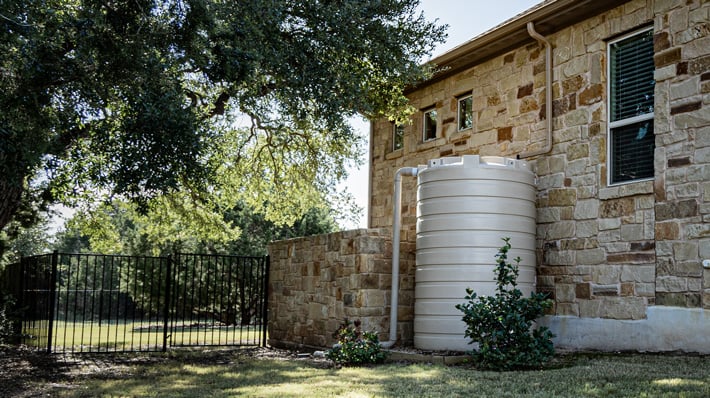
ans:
(350, 233)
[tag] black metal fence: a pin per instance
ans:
(106, 303)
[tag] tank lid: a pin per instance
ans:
(479, 161)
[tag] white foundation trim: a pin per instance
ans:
(664, 329)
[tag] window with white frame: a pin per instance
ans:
(397, 136)
(429, 125)
(631, 85)
(465, 112)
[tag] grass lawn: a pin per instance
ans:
(139, 336)
(240, 375)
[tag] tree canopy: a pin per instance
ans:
(204, 99)
(116, 228)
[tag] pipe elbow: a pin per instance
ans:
(387, 344)
(408, 171)
(533, 33)
(548, 92)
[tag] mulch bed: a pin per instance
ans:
(26, 373)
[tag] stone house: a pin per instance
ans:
(614, 122)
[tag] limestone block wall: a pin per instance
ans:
(682, 128)
(603, 251)
(316, 282)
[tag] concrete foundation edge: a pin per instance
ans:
(664, 329)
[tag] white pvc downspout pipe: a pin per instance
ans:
(548, 92)
(396, 227)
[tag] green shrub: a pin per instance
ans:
(7, 327)
(501, 324)
(355, 347)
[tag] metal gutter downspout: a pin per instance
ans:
(397, 226)
(548, 92)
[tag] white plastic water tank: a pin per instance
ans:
(465, 206)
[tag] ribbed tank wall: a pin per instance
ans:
(465, 206)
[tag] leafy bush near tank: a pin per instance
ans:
(355, 346)
(501, 324)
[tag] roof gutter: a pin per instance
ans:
(548, 16)
(505, 29)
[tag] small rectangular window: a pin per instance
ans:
(429, 125)
(465, 113)
(397, 137)
(631, 99)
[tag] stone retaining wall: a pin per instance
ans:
(316, 282)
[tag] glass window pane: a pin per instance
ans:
(465, 113)
(632, 152)
(429, 125)
(632, 81)
(397, 137)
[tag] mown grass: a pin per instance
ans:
(138, 336)
(575, 376)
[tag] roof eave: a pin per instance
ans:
(548, 17)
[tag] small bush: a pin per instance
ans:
(502, 324)
(7, 327)
(355, 347)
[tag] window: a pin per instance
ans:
(631, 84)
(465, 113)
(429, 125)
(397, 137)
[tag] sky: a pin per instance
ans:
(466, 19)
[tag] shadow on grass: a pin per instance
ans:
(237, 373)
(21, 368)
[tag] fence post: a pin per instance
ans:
(265, 314)
(166, 309)
(19, 301)
(52, 299)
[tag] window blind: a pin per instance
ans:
(632, 152)
(632, 81)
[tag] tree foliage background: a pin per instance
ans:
(195, 105)
(117, 228)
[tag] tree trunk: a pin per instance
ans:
(10, 199)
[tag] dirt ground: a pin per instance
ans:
(25, 373)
